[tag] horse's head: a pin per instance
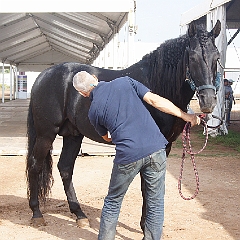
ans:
(202, 56)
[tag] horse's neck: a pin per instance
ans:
(154, 68)
(138, 72)
(167, 70)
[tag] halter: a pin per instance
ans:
(208, 86)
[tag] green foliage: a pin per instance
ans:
(231, 140)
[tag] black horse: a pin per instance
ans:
(57, 108)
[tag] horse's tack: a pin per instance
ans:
(185, 140)
(193, 85)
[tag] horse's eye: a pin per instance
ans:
(192, 58)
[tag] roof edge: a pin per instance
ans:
(200, 10)
(61, 6)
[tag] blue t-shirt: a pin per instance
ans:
(117, 107)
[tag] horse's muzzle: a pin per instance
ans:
(207, 100)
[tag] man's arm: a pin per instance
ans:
(167, 106)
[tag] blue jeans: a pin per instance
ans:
(153, 170)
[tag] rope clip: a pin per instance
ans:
(204, 118)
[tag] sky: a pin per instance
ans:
(156, 22)
(159, 20)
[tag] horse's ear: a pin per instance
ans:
(217, 29)
(192, 29)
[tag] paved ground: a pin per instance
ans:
(214, 214)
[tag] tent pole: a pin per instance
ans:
(11, 82)
(3, 87)
(131, 32)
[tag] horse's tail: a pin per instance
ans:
(44, 176)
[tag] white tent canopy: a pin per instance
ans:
(200, 11)
(37, 34)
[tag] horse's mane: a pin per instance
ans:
(166, 70)
(203, 36)
(167, 65)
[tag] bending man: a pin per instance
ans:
(118, 107)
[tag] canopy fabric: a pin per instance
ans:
(200, 11)
(36, 39)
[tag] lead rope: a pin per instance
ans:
(187, 148)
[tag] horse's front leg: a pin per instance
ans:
(70, 150)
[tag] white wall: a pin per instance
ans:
(232, 64)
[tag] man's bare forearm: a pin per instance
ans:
(168, 107)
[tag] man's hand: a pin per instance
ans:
(106, 138)
(192, 118)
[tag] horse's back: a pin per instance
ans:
(52, 95)
(57, 107)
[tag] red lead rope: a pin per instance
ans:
(187, 148)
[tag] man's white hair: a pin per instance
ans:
(83, 81)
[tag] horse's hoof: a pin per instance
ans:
(38, 222)
(83, 222)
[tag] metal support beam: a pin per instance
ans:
(11, 78)
(16, 86)
(234, 35)
(115, 50)
(3, 87)
(131, 32)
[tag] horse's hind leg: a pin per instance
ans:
(39, 174)
(70, 150)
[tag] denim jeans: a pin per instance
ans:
(153, 170)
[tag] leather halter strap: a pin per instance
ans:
(205, 87)
(193, 86)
